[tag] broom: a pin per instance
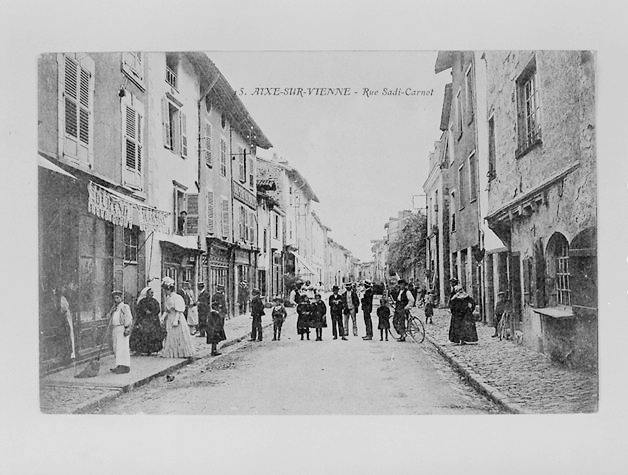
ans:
(93, 367)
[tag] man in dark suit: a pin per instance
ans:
(367, 308)
(204, 308)
(336, 307)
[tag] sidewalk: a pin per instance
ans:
(514, 376)
(62, 393)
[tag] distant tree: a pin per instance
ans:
(408, 249)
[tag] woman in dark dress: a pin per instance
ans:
(148, 335)
(304, 312)
(318, 316)
(462, 328)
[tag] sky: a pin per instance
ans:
(364, 156)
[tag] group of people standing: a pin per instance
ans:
(166, 331)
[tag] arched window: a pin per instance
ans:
(558, 264)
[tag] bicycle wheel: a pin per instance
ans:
(416, 329)
(393, 331)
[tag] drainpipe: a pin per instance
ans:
(200, 167)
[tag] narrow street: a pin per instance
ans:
(308, 378)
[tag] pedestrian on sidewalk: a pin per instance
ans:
(304, 317)
(351, 304)
(279, 316)
(204, 307)
(215, 328)
(383, 314)
(500, 308)
(257, 312)
(336, 305)
(295, 294)
(178, 342)
(219, 301)
(243, 297)
(403, 302)
(429, 308)
(121, 324)
(148, 335)
(462, 328)
(191, 308)
(367, 308)
(319, 312)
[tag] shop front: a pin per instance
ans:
(90, 242)
(217, 268)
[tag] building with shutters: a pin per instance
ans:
(542, 194)
(462, 163)
(318, 242)
(270, 221)
(95, 211)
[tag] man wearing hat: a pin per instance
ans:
(351, 302)
(403, 302)
(336, 306)
(243, 297)
(257, 312)
(500, 308)
(219, 303)
(121, 324)
(204, 308)
(367, 308)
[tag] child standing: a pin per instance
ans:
(319, 316)
(383, 312)
(429, 307)
(279, 315)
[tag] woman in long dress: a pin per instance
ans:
(178, 342)
(319, 312)
(304, 312)
(462, 327)
(148, 335)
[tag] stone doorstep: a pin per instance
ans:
(120, 388)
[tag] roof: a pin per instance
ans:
(219, 91)
(445, 112)
(318, 220)
(300, 181)
(444, 60)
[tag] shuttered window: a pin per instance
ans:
(132, 65)
(132, 140)
(206, 144)
(223, 157)
(184, 135)
(210, 212)
(226, 229)
(191, 224)
(251, 172)
(76, 86)
(242, 164)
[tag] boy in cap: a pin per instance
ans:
(279, 316)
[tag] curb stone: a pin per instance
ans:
(476, 381)
(94, 403)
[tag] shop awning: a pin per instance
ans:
(304, 263)
(43, 162)
(123, 210)
(189, 243)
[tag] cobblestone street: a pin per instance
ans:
(526, 377)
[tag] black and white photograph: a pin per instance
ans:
(343, 253)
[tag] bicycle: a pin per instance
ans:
(414, 328)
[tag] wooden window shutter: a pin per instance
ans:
(226, 231)
(207, 144)
(191, 225)
(132, 140)
(210, 212)
(165, 123)
(184, 135)
(539, 271)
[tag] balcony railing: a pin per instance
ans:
(171, 77)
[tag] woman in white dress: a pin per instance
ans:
(178, 343)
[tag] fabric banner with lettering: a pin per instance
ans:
(119, 210)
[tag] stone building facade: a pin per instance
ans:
(542, 194)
